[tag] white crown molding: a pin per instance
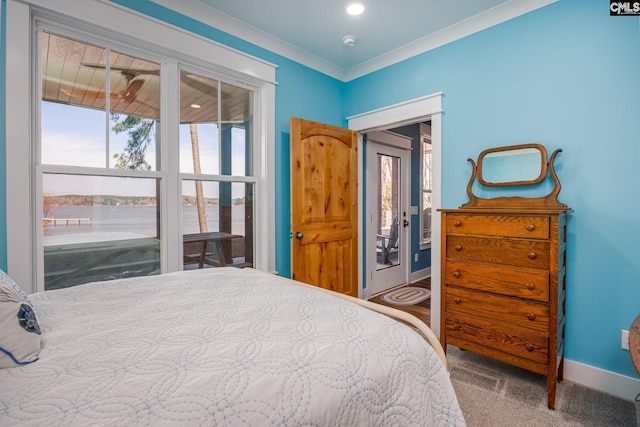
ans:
(213, 17)
(223, 22)
(474, 24)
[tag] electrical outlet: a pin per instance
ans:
(416, 258)
(625, 340)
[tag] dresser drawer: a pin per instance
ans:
(524, 283)
(495, 335)
(505, 310)
(532, 227)
(515, 252)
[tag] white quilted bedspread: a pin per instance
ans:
(222, 347)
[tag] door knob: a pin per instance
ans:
(299, 235)
(405, 223)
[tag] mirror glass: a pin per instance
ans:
(514, 165)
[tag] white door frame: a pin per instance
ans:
(412, 111)
(396, 275)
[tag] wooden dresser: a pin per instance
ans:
(504, 283)
(503, 287)
(634, 345)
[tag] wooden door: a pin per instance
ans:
(324, 206)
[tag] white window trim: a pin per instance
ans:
(144, 33)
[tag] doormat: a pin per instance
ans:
(406, 296)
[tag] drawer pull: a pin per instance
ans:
(457, 223)
(456, 274)
(531, 316)
(458, 247)
(531, 227)
(531, 286)
(529, 347)
(533, 255)
(456, 327)
(457, 300)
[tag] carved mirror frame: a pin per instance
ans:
(513, 149)
(549, 201)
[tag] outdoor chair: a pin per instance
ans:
(387, 246)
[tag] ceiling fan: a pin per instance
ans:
(129, 74)
(128, 95)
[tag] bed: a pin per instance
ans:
(223, 347)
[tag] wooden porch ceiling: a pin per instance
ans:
(76, 73)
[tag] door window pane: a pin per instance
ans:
(217, 224)
(99, 228)
(426, 187)
(388, 236)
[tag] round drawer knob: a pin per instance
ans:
(533, 255)
(531, 316)
(457, 223)
(531, 286)
(529, 347)
(458, 247)
(457, 300)
(456, 274)
(531, 227)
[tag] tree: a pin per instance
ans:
(140, 134)
(195, 148)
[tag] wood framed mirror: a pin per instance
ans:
(514, 165)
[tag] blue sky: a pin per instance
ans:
(77, 136)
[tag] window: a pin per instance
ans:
(98, 145)
(426, 186)
(156, 186)
(215, 161)
(102, 178)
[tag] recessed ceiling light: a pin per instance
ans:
(355, 9)
(195, 106)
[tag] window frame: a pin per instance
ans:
(23, 121)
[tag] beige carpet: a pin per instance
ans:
(495, 394)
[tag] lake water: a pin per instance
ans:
(127, 220)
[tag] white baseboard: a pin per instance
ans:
(420, 274)
(617, 385)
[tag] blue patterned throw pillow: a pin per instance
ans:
(19, 329)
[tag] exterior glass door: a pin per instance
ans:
(387, 196)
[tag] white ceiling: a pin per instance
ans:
(388, 31)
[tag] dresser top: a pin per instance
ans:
(511, 211)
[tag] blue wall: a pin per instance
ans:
(563, 76)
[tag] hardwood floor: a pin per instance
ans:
(422, 310)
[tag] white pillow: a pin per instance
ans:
(19, 329)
